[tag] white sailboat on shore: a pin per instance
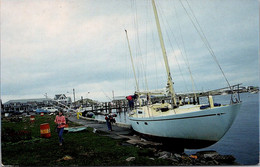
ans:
(174, 120)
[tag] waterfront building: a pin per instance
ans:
(62, 98)
(25, 105)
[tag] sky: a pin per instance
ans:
(54, 46)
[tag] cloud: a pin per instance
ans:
(55, 46)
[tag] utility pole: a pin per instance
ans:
(74, 94)
(113, 94)
(82, 100)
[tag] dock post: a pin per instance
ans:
(198, 99)
(109, 107)
(106, 106)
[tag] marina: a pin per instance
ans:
(245, 128)
(245, 150)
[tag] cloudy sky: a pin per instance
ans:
(53, 46)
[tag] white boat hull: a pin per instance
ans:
(207, 124)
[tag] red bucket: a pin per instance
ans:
(45, 130)
(32, 118)
(42, 114)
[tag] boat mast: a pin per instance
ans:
(170, 83)
(137, 87)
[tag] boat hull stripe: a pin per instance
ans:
(209, 115)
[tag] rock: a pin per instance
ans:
(129, 159)
(225, 158)
(186, 159)
(153, 149)
(210, 163)
(209, 155)
(177, 155)
(203, 162)
(151, 159)
(216, 162)
(168, 154)
(65, 158)
(143, 140)
(165, 156)
(174, 159)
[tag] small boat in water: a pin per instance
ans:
(46, 110)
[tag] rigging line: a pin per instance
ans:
(140, 52)
(172, 47)
(147, 88)
(106, 95)
(146, 48)
(213, 54)
(156, 73)
(134, 9)
(185, 53)
(138, 49)
(204, 39)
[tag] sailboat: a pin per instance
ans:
(174, 120)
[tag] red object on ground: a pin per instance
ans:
(42, 114)
(32, 118)
(45, 130)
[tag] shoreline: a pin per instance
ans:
(177, 157)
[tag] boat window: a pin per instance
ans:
(137, 123)
(140, 112)
(146, 123)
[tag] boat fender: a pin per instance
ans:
(217, 104)
(164, 109)
(207, 106)
(204, 107)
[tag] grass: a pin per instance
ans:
(83, 148)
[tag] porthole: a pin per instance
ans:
(137, 123)
(146, 123)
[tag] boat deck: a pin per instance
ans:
(156, 110)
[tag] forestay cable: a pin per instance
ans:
(204, 39)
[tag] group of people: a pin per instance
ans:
(60, 120)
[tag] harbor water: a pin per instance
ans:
(242, 139)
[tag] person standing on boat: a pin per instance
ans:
(130, 102)
(61, 122)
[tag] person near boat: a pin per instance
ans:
(61, 122)
(109, 120)
(130, 100)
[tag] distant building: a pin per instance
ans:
(23, 105)
(62, 98)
